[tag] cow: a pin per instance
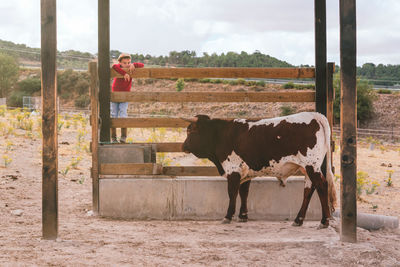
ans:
(243, 149)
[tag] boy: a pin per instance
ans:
(120, 110)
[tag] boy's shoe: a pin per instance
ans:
(122, 139)
(114, 140)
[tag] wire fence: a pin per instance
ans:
(392, 133)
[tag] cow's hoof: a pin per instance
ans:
(226, 221)
(242, 220)
(322, 226)
(297, 224)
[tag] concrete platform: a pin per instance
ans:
(200, 198)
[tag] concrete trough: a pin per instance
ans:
(199, 198)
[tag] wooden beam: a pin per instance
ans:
(94, 121)
(272, 73)
(166, 147)
(329, 108)
(148, 123)
(320, 61)
(104, 67)
(130, 168)
(348, 120)
(320, 56)
(190, 171)
(49, 119)
(178, 97)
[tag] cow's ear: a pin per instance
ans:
(202, 117)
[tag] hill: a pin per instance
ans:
(71, 59)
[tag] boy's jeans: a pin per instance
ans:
(119, 110)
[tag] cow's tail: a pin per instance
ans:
(329, 173)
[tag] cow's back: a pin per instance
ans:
(276, 146)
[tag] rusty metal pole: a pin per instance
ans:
(348, 120)
(49, 119)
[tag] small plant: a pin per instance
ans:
(81, 180)
(65, 171)
(180, 84)
(372, 188)
(389, 181)
(9, 145)
(163, 159)
(365, 184)
(3, 110)
(287, 110)
(60, 123)
(7, 160)
(75, 162)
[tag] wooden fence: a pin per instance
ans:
(104, 170)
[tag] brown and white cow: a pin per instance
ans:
(243, 149)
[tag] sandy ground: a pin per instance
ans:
(85, 239)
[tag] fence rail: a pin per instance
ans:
(179, 97)
(364, 132)
(166, 73)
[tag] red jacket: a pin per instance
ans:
(119, 84)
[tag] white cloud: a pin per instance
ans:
(283, 29)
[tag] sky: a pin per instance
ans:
(283, 29)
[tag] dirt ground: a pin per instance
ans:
(87, 240)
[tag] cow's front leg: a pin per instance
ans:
(244, 192)
(233, 188)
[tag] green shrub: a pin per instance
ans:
(180, 85)
(260, 83)
(365, 98)
(82, 87)
(241, 81)
(304, 86)
(29, 86)
(216, 81)
(82, 101)
(15, 99)
(289, 85)
(233, 82)
(384, 91)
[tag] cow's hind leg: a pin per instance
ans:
(319, 181)
(308, 192)
(244, 192)
(233, 188)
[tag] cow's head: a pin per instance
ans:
(200, 138)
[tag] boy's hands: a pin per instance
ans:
(132, 68)
(127, 77)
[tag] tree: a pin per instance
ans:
(8, 74)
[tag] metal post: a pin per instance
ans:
(348, 120)
(49, 119)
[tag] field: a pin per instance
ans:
(85, 239)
